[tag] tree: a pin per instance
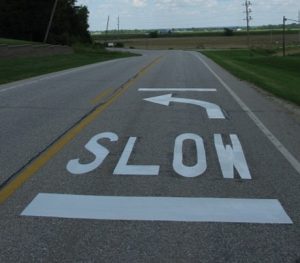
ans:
(28, 20)
(153, 34)
(228, 32)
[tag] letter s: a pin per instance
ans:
(75, 167)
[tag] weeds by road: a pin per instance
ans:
(21, 68)
(278, 75)
(5, 41)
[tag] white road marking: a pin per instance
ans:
(279, 146)
(100, 152)
(213, 110)
(189, 171)
(123, 168)
(231, 157)
(179, 89)
(229, 210)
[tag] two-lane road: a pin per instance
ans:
(164, 157)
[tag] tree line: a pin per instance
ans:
(28, 20)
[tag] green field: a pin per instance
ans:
(276, 74)
(21, 68)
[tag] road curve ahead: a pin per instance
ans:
(164, 157)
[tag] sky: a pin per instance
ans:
(156, 14)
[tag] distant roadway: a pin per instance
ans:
(164, 157)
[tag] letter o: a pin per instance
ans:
(189, 171)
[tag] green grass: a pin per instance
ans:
(6, 41)
(276, 74)
(21, 68)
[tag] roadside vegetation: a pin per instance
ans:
(265, 68)
(25, 22)
(6, 41)
(13, 69)
(28, 20)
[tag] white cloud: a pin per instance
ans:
(139, 3)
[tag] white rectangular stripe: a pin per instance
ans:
(158, 209)
(179, 89)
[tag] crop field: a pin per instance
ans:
(269, 41)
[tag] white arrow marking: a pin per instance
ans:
(213, 110)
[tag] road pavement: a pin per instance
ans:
(165, 157)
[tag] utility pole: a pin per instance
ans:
(248, 19)
(283, 36)
(299, 23)
(118, 24)
(106, 32)
(50, 21)
(107, 24)
(283, 32)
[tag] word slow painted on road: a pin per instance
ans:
(231, 157)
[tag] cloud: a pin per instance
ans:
(186, 13)
(139, 3)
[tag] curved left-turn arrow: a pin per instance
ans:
(213, 110)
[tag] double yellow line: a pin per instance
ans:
(58, 145)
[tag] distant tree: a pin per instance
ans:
(28, 20)
(153, 34)
(228, 32)
(81, 21)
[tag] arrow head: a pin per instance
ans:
(163, 100)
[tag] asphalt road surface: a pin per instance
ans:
(164, 157)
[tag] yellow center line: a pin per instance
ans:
(57, 146)
(102, 95)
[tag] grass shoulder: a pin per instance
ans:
(13, 69)
(276, 74)
(16, 42)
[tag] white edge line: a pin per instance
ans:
(179, 89)
(280, 147)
